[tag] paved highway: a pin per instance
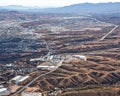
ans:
(103, 37)
(116, 26)
(58, 65)
(24, 87)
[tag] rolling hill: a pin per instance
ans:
(76, 8)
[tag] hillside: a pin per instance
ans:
(76, 8)
(33, 44)
(93, 8)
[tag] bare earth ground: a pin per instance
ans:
(98, 76)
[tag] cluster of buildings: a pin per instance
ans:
(73, 57)
(19, 79)
(31, 94)
(48, 66)
(47, 58)
(3, 90)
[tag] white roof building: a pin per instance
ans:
(35, 59)
(4, 91)
(41, 66)
(19, 79)
(45, 67)
(51, 57)
(31, 94)
(82, 57)
(23, 78)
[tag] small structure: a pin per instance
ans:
(9, 65)
(23, 79)
(82, 57)
(1, 86)
(51, 57)
(31, 94)
(3, 91)
(35, 59)
(47, 58)
(45, 67)
(19, 79)
(16, 78)
(42, 67)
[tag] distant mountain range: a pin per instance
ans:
(76, 8)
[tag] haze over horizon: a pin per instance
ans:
(49, 3)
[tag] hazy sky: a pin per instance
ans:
(49, 3)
